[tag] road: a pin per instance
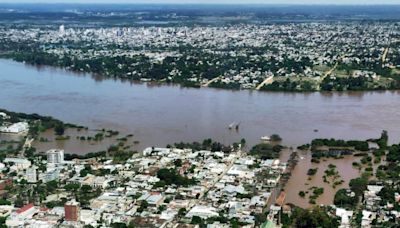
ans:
(385, 52)
(329, 72)
(28, 143)
(267, 81)
(211, 81)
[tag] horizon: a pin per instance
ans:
(209, 2)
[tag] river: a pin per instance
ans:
(162, 114)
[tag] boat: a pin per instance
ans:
(233, 125)
(265, 138)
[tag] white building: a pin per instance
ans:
(16, 128)
(19, 163)
(62, 29)
(50, 175)
(345, 217)
(202, 212)
(156, 151)
(31, 175)
(3, 115)
(55, 156)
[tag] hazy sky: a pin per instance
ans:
(361, 2)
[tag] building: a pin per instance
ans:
(31, 175)
(16, 128)
(72, 211)
(345, 217)
(3, 115)
(19, 217)
(62, 29)
(202, 212)
(19, 163)
(55, 156)
(155, 199)
(50, 175)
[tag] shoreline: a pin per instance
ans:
(151, 82)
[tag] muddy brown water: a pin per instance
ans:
(161, 114)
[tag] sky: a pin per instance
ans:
(336, 2)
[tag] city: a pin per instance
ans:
(332, 56)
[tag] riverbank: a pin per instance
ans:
(270, 84)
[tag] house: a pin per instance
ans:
(16, 128)
(168, 214)
(345, 217)
(153, 198)
(367, 218)
(149, 151)
(231, 189)
(19, 217)
(202, 212)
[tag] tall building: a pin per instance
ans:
(31, 175)
(55, 156)
(62, 29)
(72, 210)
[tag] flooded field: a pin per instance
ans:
(300, 181)
(78, 142)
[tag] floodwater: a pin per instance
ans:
(300, 181)
(73, 145)
(158, 115)
(161, 114)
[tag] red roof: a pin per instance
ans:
(44, 209)
(25, 208)
(281, 198)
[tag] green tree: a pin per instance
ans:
(72, 187)
(343, 199)
(196, 220)
(59, 129)
(314, 218)
(358, 185)
(181, 212)
(86, 188)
